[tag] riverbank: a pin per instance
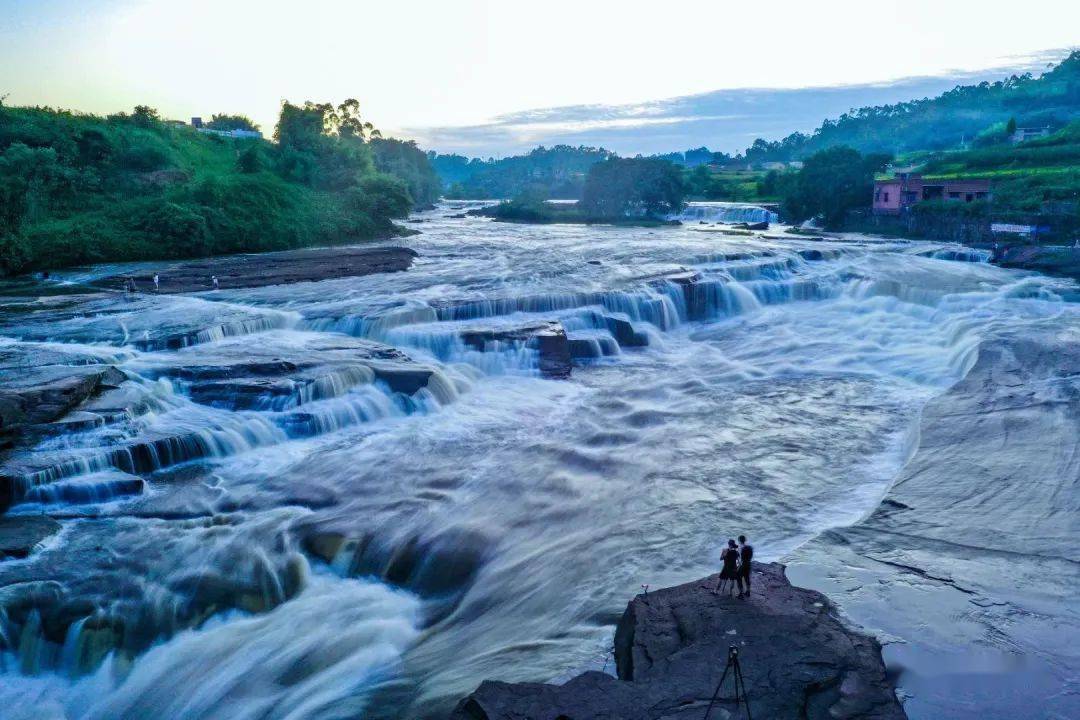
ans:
(798, 661)
(1056, 260)
(263, 269)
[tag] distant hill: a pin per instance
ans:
(959, 116)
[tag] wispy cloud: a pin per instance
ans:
(723, 120)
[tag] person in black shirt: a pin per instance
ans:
(730, 571)
(746, 554)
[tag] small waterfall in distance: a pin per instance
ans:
(727, 213)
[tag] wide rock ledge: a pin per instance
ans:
(798, 660)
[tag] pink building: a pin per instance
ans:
(896, 194)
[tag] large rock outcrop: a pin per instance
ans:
(798, 659)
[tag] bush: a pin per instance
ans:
(380, 196)
(180, 231)
(620, 187)
(144, 151)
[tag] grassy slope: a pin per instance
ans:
(1026, 176)
(194, 202)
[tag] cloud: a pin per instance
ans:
(727, 120)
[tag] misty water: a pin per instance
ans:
(341, 549)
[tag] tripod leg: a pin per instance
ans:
(740, 682)
(716, 693)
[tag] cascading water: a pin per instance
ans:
(726, 213)
(363, 496)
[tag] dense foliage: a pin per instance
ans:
(621, 187)
(231, 122)
(556, 172)
(831, 183)
(404, 160)
(696, 157)
(78, 188)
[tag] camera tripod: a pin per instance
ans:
(737, 678)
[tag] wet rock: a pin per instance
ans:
(268, 377)
(547, 338)
(798, 660)
(624, 332)
(42, 395)
(93, 488)
(592, 347)
(405, 379)
(279, 268)
(1060, 260)
(442, 565)
(19, 535)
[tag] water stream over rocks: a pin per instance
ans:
(363, 496)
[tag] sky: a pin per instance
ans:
(443, 70)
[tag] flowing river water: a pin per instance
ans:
(275, 527)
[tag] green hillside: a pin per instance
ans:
(78, 188)
(965, 115)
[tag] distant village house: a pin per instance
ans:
(1025, 134)
(897, 194)
(197, 123)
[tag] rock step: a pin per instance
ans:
(50, 394)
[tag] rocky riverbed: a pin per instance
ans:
(364, 495)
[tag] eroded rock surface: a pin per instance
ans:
(971, 559)
(798, 659)
(279, 268)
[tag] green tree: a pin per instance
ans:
(620, 187)
(349, 123)
(231, 122)
(831, 183)
(250, 160)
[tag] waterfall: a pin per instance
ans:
(727, 213)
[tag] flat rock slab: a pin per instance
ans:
(19, 535)
(278, 268)
(798, 661)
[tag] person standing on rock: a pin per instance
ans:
(746, 555)
(157, 282)
(214, 281)
(730, 571)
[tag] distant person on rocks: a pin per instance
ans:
(214, 282)
(730, 570)
(746, 555)
(130, 284)
(157, 282)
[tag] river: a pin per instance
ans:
(305, 542)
